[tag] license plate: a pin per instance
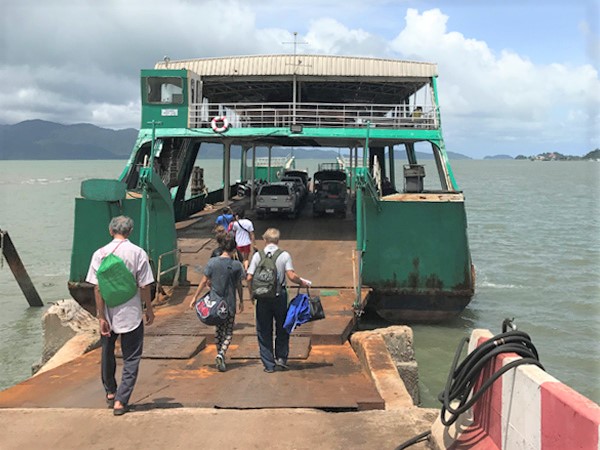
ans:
(274, 209)
(329, 210)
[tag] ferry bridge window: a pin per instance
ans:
(164, 90)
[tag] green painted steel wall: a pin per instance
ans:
(91, 231)
(156, 112)
(262, 173)
(417, 246)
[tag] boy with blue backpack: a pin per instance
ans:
(225, 218)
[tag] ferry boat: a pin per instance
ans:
(406, 242)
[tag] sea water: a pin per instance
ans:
(534, 232)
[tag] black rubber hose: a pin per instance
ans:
(415, 440)
(462, 377)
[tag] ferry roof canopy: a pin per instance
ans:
(320, 78)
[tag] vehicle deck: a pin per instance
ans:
(178, 368)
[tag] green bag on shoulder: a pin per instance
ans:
(116, 283)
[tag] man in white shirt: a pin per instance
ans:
(273, 309)
(243, 230)
(124, 320)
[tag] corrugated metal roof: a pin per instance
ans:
(308, 65)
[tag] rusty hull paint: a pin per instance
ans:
(434, 286)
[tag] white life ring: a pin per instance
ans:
(219, 124)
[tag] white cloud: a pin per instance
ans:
(115, 115)
(331, 37)
(504, 94)
(79, 61)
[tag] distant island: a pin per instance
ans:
(594, 155)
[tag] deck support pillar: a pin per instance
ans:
(269, 167)
(351, 172)
(253, 185)
(16, 266)
(392, 168)
(227, 172)
(244, 164)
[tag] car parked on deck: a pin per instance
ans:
(298, 173)
(277, 198)
(299, 186)
(330, 194)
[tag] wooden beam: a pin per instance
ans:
(14, 262)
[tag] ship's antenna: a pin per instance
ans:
(297, 62)
(296, 43)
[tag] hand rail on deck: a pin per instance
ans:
(160, 273)
(364, 185)
(335, 115)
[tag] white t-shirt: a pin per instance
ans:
(242, 229)
(127, 316)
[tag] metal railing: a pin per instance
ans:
(365, 186)
(335, 115)
(160, 272)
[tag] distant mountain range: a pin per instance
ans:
(41, 140)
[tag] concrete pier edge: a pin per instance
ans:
(375, 358)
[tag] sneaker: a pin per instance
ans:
(281, 364)
(269, 370)
(220, 362)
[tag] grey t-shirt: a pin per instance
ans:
(224, 275)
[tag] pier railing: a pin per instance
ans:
(326, 115)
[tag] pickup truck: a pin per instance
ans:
(277, 198)
(298, 183)
(330, 193)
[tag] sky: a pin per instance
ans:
(515, 77)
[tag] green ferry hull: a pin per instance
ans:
(417, 258)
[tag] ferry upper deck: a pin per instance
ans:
(297, 91)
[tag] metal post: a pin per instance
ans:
(269, 167)
(145, 178)
(16, 266)
(392, 165)
(227, 174)
(252, 191)
(359, 241)
(294, 100)
(352, 173)
(243, 174)
(366, 148)
(359, 219)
